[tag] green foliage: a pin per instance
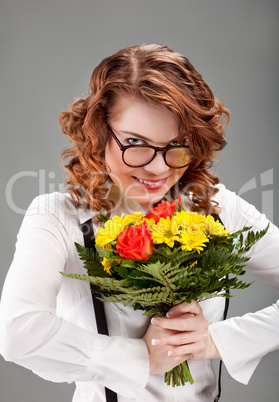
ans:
(171, 275)
(92, 261)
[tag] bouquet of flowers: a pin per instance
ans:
(156, 261)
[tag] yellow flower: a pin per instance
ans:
(107, 265)
(150, 223)
(190, 241)
(215, 227)
(165, 231)
(193, 264)
(192, 222)
(108, 234)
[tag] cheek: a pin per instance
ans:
(178, 173)
(112, 156)
(117, 168)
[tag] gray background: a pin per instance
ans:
(48, 50)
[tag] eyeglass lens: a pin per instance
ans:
(140, 156)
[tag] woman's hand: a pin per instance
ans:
(182, 335)
(159, 359)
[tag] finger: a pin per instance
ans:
(181, 323)
(192, 308)
(182, 338)
(193, 351)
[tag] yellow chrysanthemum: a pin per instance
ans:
(191, 221)
(191, 242)
(108, 234)
(107, 265)
(215, 227)
(165, 231)
(150, 223)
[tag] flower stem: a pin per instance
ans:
(179, 375)
(168, 377)
(186, 372)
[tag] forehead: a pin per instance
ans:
(154, 122)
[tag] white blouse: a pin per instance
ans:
(47, 322)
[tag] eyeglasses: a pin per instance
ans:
(138, 155)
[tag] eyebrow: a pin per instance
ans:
(136, 135)
(142, 136)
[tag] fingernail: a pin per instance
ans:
(155, 342)
(170, 353)
(154, 321)
(169, 314)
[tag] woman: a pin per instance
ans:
(149, 130)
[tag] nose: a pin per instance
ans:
(158, 165)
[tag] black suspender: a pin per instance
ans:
(89, 242)
(218, 396)
(227, 302)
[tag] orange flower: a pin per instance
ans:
(163, 210)
(135, 242)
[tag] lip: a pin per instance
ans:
(151, 184)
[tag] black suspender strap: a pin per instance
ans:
(218, 396)
(89, 242)
(227, 302)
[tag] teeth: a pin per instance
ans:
(151, 183)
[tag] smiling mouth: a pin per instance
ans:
(151, 184)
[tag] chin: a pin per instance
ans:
(149, 202)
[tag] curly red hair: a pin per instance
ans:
(160, 76)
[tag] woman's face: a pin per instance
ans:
(140, 124)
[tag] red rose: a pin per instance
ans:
(163, 210)
(135, 243)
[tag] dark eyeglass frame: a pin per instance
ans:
(123, 148)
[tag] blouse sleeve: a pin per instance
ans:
(31, 333)
(243, 341)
